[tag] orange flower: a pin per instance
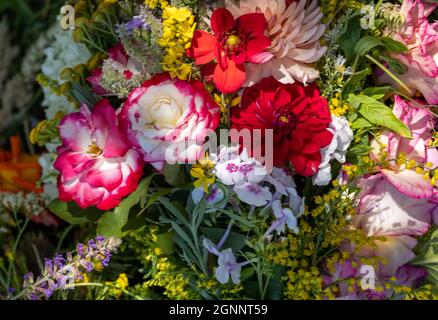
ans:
(18, 172)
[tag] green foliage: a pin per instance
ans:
(112, 223)
(428, 257)
(378, 114)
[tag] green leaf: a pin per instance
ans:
(394, 64)
(72, 213)
(355, 80)
(428, 257)
(165, 242)
(366, 44)
(377, 92)
(379, 114)
(349, 39)
(235, 241)
(394, 46)
(176, 209)
(238, 218)
(361, 123)
(160, 192)
(112, 223)
(174, 175)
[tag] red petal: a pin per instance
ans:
(203, 47)
(231, 79)
(221, 20)
(256, 46)
(252, 23)
(118, 54)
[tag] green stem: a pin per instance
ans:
(64, 234)
(97, 284)
(14, 250)
(389, 73)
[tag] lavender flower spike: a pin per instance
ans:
(61, 271)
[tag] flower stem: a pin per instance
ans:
(389, 73)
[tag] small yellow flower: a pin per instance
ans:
(202, 172)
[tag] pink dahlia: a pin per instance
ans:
(169, 119)
(96, 163)
(421, 38)
(421, 122)
(295, 29)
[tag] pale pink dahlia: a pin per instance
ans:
(295, 29)
(168, 119)
(96, 163)
(421, 38)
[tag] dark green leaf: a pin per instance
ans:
(174, 175)
(349, 39)
(235, 241)
(73, 214)
(112, 223)
(428, 257)
(394, 46)
(366, 44)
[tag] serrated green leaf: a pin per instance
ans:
(379, 114)
(111, 224)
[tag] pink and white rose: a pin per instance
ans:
(164, 114)
(96, 163)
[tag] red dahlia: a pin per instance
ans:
(298, 115)
(234, 43)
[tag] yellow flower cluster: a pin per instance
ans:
(152, 4)
(338, 109)
(322, 229)
(170, 277)
(165, 273)
(225, 292)
(117, 286)
(331, 8)
(178, 28)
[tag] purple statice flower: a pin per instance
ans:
(61, 271)
(137, 22)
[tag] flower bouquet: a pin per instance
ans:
(275, 149)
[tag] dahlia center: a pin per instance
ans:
(285, 122)
(94, 150)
